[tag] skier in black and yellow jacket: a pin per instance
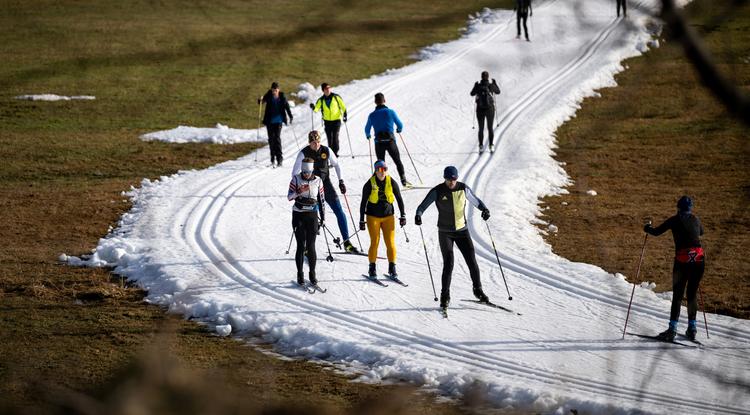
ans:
(378, 195)
(334, 110)
(450, 198)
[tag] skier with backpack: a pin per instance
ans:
(484, 91)
(382, 120)
(333, 111)
(308, 194)
(323, 159)
(277, 110)
(378, 195)
(523, 12)
(450, 199)
(689, 264)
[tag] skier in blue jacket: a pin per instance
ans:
(382, 121)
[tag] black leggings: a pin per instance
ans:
(686, 275)
(463, 240)
(624, 5)
(305, 225)
(382, 146)
(274, 142)
(489, 115)
(332, 132)
(522, 16)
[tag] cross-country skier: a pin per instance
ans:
(624, 5)
(523, 11)
(324, 159)
(450, 198)
(382, 120)
(277, 110)
(308, 194)
(689, 263)
(484, 91)
(334, 111)
(378, 195)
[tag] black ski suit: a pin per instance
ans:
(308, 196)
(451, 206)
(523, 11)
(276, 113)
(485, 106)
(689, 261)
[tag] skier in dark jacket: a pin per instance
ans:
(485, 106)
(324, 159)
(378, 195)
(689, 264)
(307, 191)
(523, 11)
(624, 5)
(450, 198)
(333, 110)
(277, 110)
(382, 120)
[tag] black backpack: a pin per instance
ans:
(484, 97)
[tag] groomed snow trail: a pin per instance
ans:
(210, 244)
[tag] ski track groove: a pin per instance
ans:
(203, 219)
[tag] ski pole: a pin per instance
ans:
(296, 140)
(474, 118)
(428, 263)
(336, 241)
(329, 258)
(369, 147)
(498, 261)
(351, 149)
(412, 160)
(346, 199)
(290, 241)
(403, 228)
(260, 109)
(637, 273)
(312, 117)
(705, 321)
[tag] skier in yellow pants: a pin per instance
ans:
(378, 195)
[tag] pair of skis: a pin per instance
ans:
(692, 343)
(310, 287)
(444, 310)
(389, 276)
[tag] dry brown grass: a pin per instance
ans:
(642, 145)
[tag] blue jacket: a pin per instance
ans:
(382, 120)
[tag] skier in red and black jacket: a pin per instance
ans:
(689, 264)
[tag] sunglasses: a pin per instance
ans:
(383, 169)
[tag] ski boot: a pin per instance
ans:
(480, 295)
(348, 247)
(445, 300)
(691, 332)
(492, 149)
(406, 183)
(313, 279)
(300, 278)
(372, 272)
(667, 335)
(481, 149)
(392, 270)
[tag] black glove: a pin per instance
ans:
(291, 118)
(362, 225)
(312, 106)
(402, 221)
(398, 131)
(260, 100)
(345, 116)
(646, 227)
(493, 81)
(342, 187)
(418, 220)
(322, 222)
(486, 214)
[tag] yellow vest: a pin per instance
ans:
(375, 189)
(334, 112)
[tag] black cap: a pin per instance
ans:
(450, 173)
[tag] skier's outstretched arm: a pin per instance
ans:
(474, 200)
(297, 168)
(399, 199)
(667, 225)
(428, 200)
(334, 162)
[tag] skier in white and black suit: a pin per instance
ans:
(450, 198)
(484, 91)
(306, 190)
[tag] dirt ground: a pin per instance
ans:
(657, 136)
